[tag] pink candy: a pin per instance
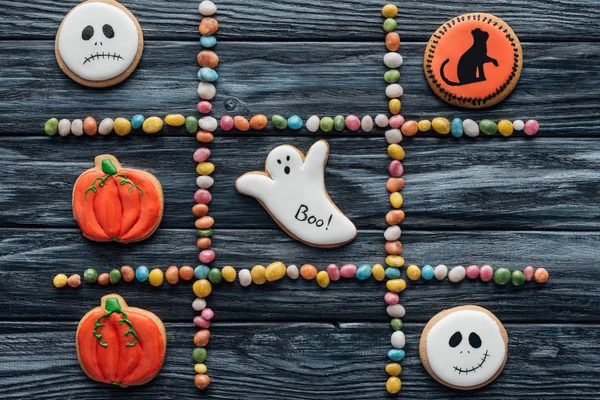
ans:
(391, 298)
(528, 272)
(396, 121)
(226, 123)
(201, 322)
(531, 127)
(207, 314)
(202, 196)
(473, 271)
(396, 169)
(334, 272)
(204, 107)
(486, 273)
(348, 271)
(201, 154)
(352, 123)
(207, 256)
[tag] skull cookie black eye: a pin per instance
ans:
(108, 31)
(455, 339)
(474, 340)
(87, 32)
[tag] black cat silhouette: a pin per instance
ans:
(470, 65)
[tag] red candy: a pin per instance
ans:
(486, 273)
(396, 169)
(396, 121)
(352, 123)
(334, 272)
(348, 271)
(202, 196)
(528, 272)
(201, 322)
(201, 154)
(204, 107)
(207, 256)
(391, 298)
(473, 272)
(207, 314)
(226, 123)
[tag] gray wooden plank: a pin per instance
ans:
(309, 78)
(300, 361)
(313, 19)
(31, 258)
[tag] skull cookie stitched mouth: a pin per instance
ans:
(97, 56)
(472, 369)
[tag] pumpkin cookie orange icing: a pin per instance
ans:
(120, 345)
(111, 203)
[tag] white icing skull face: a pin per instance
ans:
(98, 41)
(283, 162)
(466, 348)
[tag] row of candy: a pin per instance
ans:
(126, 273)
(470, 128)
(486, 273)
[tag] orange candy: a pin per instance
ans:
(201, 381)
(410, 128)
(90, 126)
(204, 137)
(172, 275)
(259, 122)
(394, 217)
(204, 243)
(204, 222)
(208, 26)
(308, 272)
(394, 184)
(393, 248)
(202, 337)
(208, 59)
(200, 210)
(241, 123)
(127, 273)
(186, 273)
(392, 41)
(103, 279)
(541, 275)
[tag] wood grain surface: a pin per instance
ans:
(506, 202)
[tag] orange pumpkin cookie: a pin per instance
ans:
(120, 345)
(473, 61)
(111, 203)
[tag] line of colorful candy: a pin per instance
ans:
(154, 277)
(393, 246)
(486, 273)
(470, 128)
(313, 124)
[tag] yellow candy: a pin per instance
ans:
(228, 273)
(152, 125)
(396, 200)
(156, 277)
(413, 272)
(505, 127)
(393, 385)
(323, 279)
(258, 274)
(394, 261)
(60, 281)
(396, 151)
(202, 288)
(395, 285)
(441, 125)
(200, 368)
(122, 126)
(424, 125)
(395, 106)
(275, 271)
(389, 11)
(205, 168)
(378, 272)
(393, 369)
(175, 120)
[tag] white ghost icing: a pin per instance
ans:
(293, 192)
(98, 41)
(465, 348)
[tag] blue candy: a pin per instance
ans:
(363, 272)
(201, 271)
(456, 128)
(294, 122)
(137, 121)
(208, 41)
(396, 355)
(427, 272)
(207, 75)
(141, 273)
(392, 273)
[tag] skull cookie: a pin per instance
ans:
(99, 43)
(464, 347)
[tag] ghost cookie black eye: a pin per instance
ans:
(474, 340)
(455, 339)
(278, 161)
(108, 31)
(87, 32)
(288, 158)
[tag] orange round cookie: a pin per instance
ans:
(473, 61)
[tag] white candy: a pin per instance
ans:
(392, 60)
(395, 311)
(393, 136)
(206, 90)
(366, 124)
(470, 128)
(77, 127)
(245, 277)
(518, 125)
(199, 304)
(205, 182)
(106, 126)
(207, 8)
(209, 124)
(394, 91)
(381, 121)
(457, 274)
(64, 127)
(398, 339)
(293, 272)
(312, 124)
(392, 233)
(440, 272)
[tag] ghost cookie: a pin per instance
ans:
(99, 43)
(292, 190)
(464, 347)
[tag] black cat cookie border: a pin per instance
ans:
(501, 92)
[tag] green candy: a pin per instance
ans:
(396, 324)
(199, 354)
(115, 276)
(488, 126)
(191, 124)
(51, 127)
(204, 232)
(518, 278)
(502, 276)
(214, 275)
(339, 123)
(326, 124)
(389, 25)
(90, 276)
(391, 76)
(279, 122)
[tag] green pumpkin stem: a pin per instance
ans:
(112, 306)
(110, 170)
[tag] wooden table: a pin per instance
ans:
(507, 202)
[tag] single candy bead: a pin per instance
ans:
(200, 210)
(378, 272)
(393, 136)
(396, 200)
(391, 298)
(152, 125)
(394, 91)
(202, 196)
(199, 354)
(334, 272)
(396, 151)
(381, 120)
(541, 275)
(207, 314)
(122, 126)
(392, 273)
(440, 272)
(209, 124)
(172, 275)
(201, 322)
(103, 279)
(393, 385)
(226, 123)
(64, 127)
(470, 128)
(486, 273)
(393, 247)
(390, 24)
(214, 275)
(393, 369)
(366, 123)
(201, 272)
(199, 304)
(396, 355)
(206, 90)
(175, 120)
(531, 127)
(312, 123)
(259, 122)
(77, 127)
(202, 337)
(394, 106)
(457, 274)
(204, 107)
(275, 271)
(308, 272)
(396, 285)
(394, 217)
(441, 125)
(208, 26)
(228, 273)
(391, 76)
(51, 127)
(394, 261)
(392, 59)
(294, 122)
(395, 311)
(156, 277)
(518, 278)
(396, 324)
(206, 74)
(427, 272)
(203, 243)
(456, 128)
(202, 288)
(279, 122)
(201, 381)
(518, 125)
(200, 368)
(413, 272)
(527, 272)
(348, 271)
(410, 128)
(488, 127)
(398, 340)
(245, 277)
(293, 272)
(323, 279)
(326, 124)
(207, 8)
(90, 276)
(137, 121)
(74, 281)
(352, 122)
(505, 127)
(396, 169)
(396, 121)
(339, 123)
(394, 184)
(392, 41)
(127, 273)
(424, 125)
(208, 41)
(258, 275)
(363, 272)
(502, 276)
(186, 273)
(206, 256)
(115, 276)
(141, 273)
(90, 126)
(60, 281)
(389, 11)
(204, 137)
(473, 272)
(201, 155)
